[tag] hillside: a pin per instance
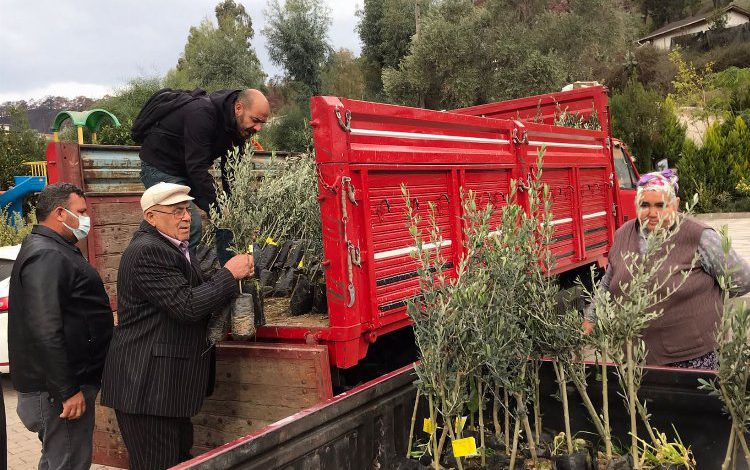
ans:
(42, 112)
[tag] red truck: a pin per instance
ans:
(365, 152)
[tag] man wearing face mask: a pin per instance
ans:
(59, 329)
(183, 145)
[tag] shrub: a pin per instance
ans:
(290, 131)
(716, 170)
(647, 64)
(647, 124)
(17, 145)
(14, 234)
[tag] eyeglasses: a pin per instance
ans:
(177, 213)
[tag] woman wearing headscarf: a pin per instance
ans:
(685, 334)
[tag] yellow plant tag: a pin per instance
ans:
(427, 426)
(460, 423)
(465, 447)
(270, 241)
(301, 264)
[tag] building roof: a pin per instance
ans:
(668, 28)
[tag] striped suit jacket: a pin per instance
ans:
(159, 362)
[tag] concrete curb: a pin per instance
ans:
(723, 215)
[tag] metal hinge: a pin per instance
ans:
(345, 124)
(524, 139)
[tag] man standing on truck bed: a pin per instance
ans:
(59, 327)
(182, 134)
(159, 366)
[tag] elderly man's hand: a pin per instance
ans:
(241, 266)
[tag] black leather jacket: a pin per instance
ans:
(59, 318)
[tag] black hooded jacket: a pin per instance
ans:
(188, 140)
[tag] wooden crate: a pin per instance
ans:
(256, 384)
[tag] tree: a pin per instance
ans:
(297, 35)
(342, 76)
(217, 57)
(386, 28)
(647, 124)
(467, 55)
(661, 12)
(17, 145)
(471, 52)
(126, 103)
(587, 38)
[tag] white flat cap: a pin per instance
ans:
(164, 194)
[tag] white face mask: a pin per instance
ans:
(84, 225)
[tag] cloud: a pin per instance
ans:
(60, 47)
(67, 89)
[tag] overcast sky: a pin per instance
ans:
(85, 47)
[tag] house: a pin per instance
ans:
(662, 37)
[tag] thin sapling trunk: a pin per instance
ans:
(631, 403)
(411, 428)
(605, 406)
(481, 421)
(562, 383)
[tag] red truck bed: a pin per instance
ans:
(366, 151)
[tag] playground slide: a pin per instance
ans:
(12, 199)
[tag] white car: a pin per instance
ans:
(8, 255)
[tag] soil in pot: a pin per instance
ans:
(218, 325)
(243, 318)
(577, 461)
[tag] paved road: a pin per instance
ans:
(24, 447)
(739, 230)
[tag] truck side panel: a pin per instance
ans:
(368, 152)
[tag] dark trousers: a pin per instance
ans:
(151, 175)
(3, 434)
(155, 442)
(66, 444)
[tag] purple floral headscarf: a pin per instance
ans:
(664, 182)
(652, 181)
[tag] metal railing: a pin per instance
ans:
(37, 168)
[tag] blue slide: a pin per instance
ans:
(12, 199)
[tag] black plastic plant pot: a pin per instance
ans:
(243, 318)
(302, 296)
(620, 463)
(580, 460)
(253, 288)
(503, 462)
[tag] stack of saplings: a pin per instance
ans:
(484, 331)
(282, 273)
(277, 219)
(732, 382)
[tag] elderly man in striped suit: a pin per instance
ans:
(158, 368)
